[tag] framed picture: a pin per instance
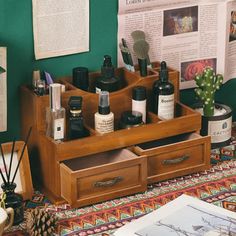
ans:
(23, 178)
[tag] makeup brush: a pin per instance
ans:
(124, 48)
(141, 48)
(138, 35)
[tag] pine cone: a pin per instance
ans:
(40, 223)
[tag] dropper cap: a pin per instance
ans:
(104, 103)
(107, 69)
(55, 96)
(163, 73)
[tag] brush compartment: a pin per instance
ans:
(51, 153)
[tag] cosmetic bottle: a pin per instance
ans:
(107, 81)
(139, 101)
(81, 78)
(55, 114)
(76, 127)
(130, 119)
(104, 118)
(163, 94)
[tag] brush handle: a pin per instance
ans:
(142, 66)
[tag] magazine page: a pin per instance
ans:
(231, 40)
(200, 218)
(188, 35)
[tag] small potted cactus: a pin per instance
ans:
(216, 118)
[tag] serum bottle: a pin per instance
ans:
(104, 118)
(55, 114)
(163, 93)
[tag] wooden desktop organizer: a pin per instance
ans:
(102, 167)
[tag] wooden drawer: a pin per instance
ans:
(102, 176)
(175, 156)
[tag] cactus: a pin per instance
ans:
(208, 82)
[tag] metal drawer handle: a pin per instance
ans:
(176, 160)
(109, 183)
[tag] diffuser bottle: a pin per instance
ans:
(104, 118)
(76, 121)
(55, 114)
(107, 81)
(139, 101)
(163, 93)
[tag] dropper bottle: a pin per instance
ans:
(108, 81)
(104, 118)
(163, 94)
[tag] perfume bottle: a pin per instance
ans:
(76, 121)
(55, 114)
(104, 118)
(163, 93)
(107, 81)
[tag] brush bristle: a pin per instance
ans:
(141, 48)
(137, 35)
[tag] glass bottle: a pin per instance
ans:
(107, 82)
(55, 114)
(15, 201)
(163, 93)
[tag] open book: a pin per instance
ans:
(183, 216)
(188, 35)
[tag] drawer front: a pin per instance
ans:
(108, 182)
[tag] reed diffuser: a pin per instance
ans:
(13, 200)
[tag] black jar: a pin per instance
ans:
(130, 119)
(15, 201)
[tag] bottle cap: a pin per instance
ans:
(81, 78)
(139, 93)
(131, 118)
(163, 73)
(75, 102)
(55, 96)
(104, 103)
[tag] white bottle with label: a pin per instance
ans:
(139, 101)
(104, 119)
(55, 114)
(163, 92)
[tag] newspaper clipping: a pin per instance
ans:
(188, 35)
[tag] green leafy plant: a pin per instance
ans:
(208, 82)
(1, 70)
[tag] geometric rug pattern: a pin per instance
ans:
(216, 186)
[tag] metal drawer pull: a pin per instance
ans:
(176, 160)
(109, 183)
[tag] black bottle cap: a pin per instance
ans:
(139, 93)
(107, 69)
(81, 78)
(104, 103)
(75, 102)
(163, 73)
(131, 118)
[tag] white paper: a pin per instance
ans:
(188, 35)
(60, 27)
(3, 90)
(147, 222)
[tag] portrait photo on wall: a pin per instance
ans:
(232, 31)
(181, 20)
(190, 68)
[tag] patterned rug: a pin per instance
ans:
(216, 186)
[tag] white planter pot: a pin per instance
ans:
(219, 126)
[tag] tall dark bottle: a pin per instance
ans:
(107, 81)
(163, 95)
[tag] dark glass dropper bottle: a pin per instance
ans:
(107, 81)
(163, 94)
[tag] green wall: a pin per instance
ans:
(16, 33)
